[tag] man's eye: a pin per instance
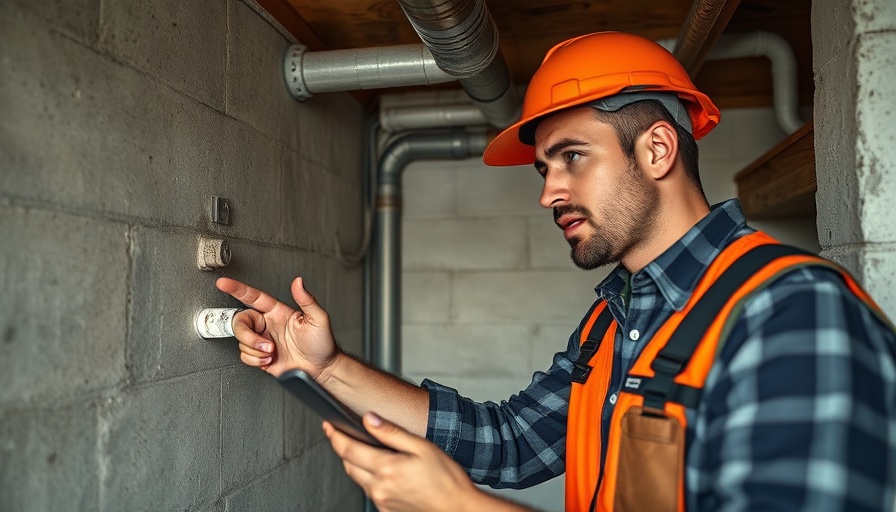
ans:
(571, 156)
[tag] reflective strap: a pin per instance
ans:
(581, 369)
(677, 352)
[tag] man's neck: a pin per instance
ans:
(675, 215)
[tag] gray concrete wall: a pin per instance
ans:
(118, 122)
(854, 60)
(489, 291)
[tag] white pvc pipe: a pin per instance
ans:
(784, 75)
(785, 93)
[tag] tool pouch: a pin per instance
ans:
(651, 462)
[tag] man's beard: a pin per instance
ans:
(624, 228)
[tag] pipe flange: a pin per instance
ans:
(292, 72)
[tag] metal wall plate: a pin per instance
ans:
(220, 210)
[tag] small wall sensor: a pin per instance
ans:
(213, 253)
(215, 322)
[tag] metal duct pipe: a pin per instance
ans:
(463, 39)
(308, 73)
(387, 229)
(395, 119)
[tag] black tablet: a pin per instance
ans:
(302, 386)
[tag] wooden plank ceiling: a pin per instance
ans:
(528, 28)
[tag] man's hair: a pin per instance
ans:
(634, 119)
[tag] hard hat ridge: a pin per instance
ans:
(606, 70)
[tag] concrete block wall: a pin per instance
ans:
(118, 122)
(854, 61)
(489, 291)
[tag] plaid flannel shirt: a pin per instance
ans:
(798, 411)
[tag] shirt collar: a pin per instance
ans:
(677, 270)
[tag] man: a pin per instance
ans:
(717, 370)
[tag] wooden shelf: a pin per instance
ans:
(781, 183)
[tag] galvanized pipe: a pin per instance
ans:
(309, 73)
(386, 298)
(463, 39)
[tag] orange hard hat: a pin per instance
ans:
(595, 66)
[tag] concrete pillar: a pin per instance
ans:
(854, 60)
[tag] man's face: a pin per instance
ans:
(600, 198)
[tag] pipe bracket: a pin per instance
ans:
(292, 72)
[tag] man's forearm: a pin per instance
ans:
(364, 389)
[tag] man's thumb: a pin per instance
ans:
(390, 434)
(304, 299)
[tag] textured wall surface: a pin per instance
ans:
(118, 122)
(854, 46)
(489, 291)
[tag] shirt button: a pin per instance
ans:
(634, 335)
(613, 399)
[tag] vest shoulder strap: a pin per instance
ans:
(677, 352)
(581, 369)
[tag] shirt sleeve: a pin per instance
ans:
(799, 411)
(517, 443)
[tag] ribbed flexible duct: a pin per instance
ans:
(463, 40)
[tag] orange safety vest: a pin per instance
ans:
(668, 375)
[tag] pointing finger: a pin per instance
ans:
(252, 297)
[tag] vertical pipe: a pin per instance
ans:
(386, 295)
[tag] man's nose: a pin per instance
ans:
(553, 193)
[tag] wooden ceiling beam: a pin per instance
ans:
(704, 24)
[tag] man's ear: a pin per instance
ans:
(657, 150)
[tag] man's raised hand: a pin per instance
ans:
(275, 337)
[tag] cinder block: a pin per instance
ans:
(350, 340)
(833, 27)
(344, 216)
(742, 135)
(48, 459)
(314, 481)
(181, 44)
(302, 428)
(482, 389)
(465, 244)
(77, 18)
(836, 132)
(252, 425)
(876, 16)
(497, 191)
(542, 296)
(64, 305)
(468, 350)
(429, 190)
(168, 290)
(717, 177)
(160, 445)
(426, 297)
(547, 497)
(547, 247)
(547, 340)
(878, 276)
(256, 90)
(305, 193)
(872, 266)
(798, 231)
(344, 298)
(329, 130)
(876, 118)
(73, 135)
